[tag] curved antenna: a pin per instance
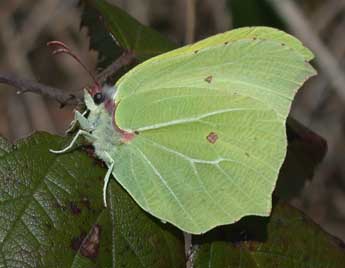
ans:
(62, 48)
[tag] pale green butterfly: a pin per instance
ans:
(197, 135)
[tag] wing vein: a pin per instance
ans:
(191, 119)
(136, 181)
(208, 193)
(166, 185)
(192, 163)
(212, 162)
(201, 161)
(249, 197)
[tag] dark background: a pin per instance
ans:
(26, 26)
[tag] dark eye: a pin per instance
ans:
(98, 98)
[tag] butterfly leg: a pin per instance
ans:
(106, 181)
(81, 119)
(79, 133)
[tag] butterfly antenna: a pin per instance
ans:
(62, 48)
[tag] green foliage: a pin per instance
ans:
(286, 239)
(100, 38)
(52, 215)
(104, 20)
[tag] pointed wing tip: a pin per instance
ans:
(298, 46)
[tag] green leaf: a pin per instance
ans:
(52, 215)
(128, 32)
(286, 239)
(305, 152)
(100, 38)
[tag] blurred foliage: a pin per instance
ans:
(254, 13)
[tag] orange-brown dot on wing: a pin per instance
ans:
(208, 79)
(212, 137)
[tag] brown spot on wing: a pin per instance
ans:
(208, 79)
(212, 137)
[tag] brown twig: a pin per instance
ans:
(125, 59)
(190, 21)
(61, 96)
(24, 85)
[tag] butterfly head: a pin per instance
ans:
(102, 94)
(101, 104)
(98, 98)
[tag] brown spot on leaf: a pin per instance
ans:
(254, 38)
(90, 246)
(77, 241)
(208, 79)
(212, 137)
(225, 43)
(283, 44)
(196, 51)
(246, 154)
(136, 132)
(74, 208)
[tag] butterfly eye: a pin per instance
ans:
(98, 98)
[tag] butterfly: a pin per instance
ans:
(197, 135)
